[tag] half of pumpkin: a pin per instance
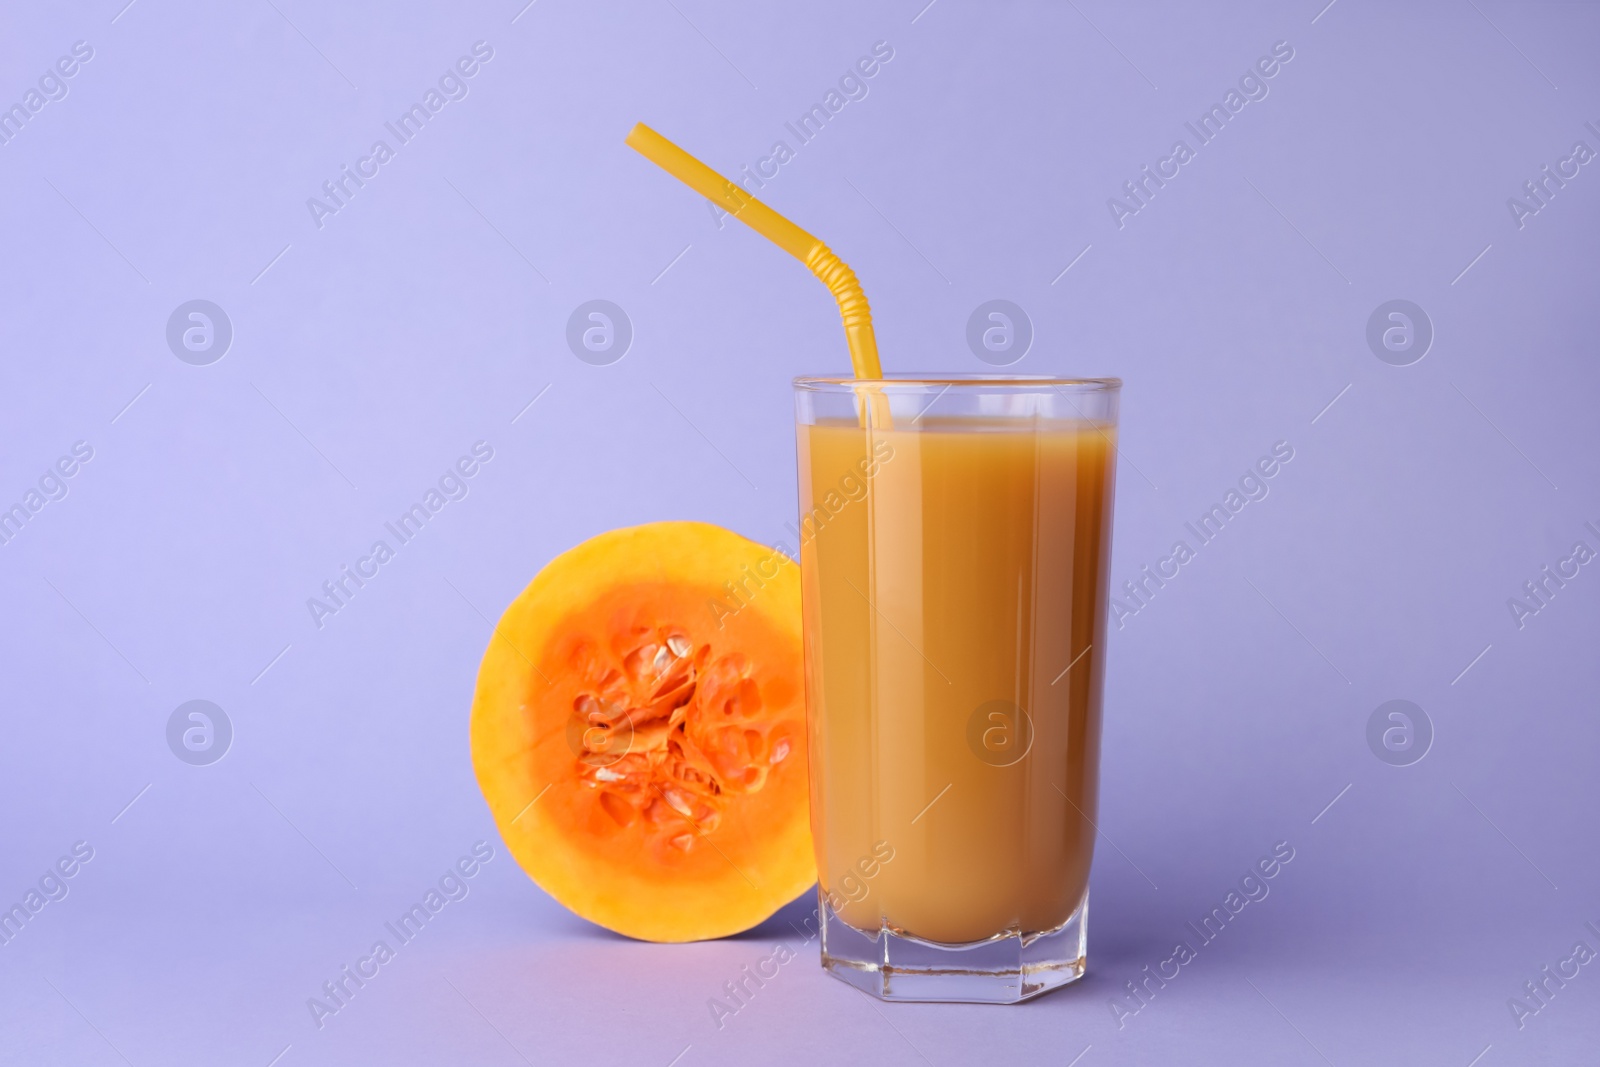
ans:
(639, 732)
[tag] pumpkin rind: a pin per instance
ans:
(682, 821)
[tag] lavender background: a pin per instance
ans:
(431, 311)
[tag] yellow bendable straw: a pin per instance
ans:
(829, 268)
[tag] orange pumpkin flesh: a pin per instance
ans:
(641, 744)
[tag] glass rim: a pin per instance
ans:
(931, 380)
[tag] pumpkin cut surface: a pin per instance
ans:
(639, 734)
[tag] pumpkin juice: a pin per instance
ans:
(954, 588)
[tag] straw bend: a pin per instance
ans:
(829, 268)
(841, 281)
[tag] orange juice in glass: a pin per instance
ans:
(955, 543)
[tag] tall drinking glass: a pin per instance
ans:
(955, 541)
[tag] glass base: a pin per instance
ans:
(1006, 969)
